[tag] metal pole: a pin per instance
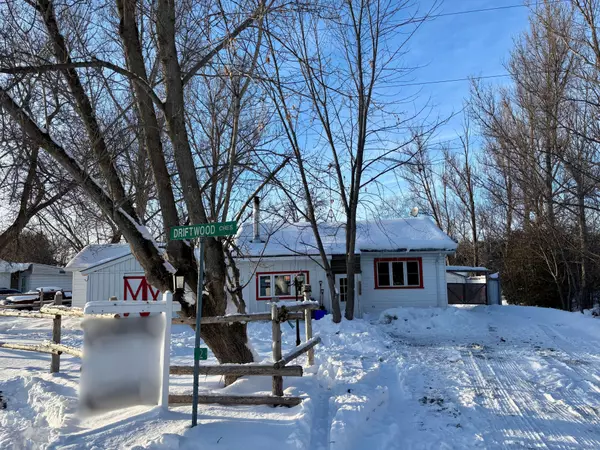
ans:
(197, 341)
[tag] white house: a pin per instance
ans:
(400, 262)
(28, 276)
(103, 271)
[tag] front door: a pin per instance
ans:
(341, 287)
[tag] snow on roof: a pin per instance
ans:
(94, 255)
(391, 235)
(12, 267)
(466, 269)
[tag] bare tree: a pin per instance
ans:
(144, 71)
(460, 177)
(347, 59)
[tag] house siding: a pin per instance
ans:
(107, 281)
(5, 280)
(41, 275)
(248, 270)
(374, 301)
(63, 281)
(79, 289)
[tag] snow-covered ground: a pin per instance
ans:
(459, 378)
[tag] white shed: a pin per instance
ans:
(400, 262)
(102, 271)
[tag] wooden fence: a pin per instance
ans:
(277, 370)
(54, 347)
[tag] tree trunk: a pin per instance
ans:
(584, 295)
(350, 260)
(235, 338)
(335, 301)
(85, 110)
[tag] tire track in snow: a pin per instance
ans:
(527, 409)
(564, 400)
(592, 378)
(562, 417)
(503, 408)
(482, 392)
(510, 403)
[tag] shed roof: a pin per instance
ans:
(390, 235)
(94, 255)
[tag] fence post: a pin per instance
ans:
(307, 291)
(308, 329)
(56, 330)
(277, 380)
(166, 351)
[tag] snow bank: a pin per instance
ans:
(453, 378)
(36, 412)
(440, 322)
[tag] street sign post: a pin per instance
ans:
(200, 232)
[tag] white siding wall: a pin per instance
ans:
(108, 281)
(64, 281)
(45, 275)
(79, 289)
(248, 270)
(5, 280)
(374, 301)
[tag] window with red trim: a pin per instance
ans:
(278, 284)
(398, 273)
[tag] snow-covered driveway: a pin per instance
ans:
(455, 378)
(500, 377)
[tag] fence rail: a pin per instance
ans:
(53, 347)
(236, 400)
(277, 369)
(239, 370)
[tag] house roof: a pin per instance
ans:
(95, 255)
(466, 269)
(11, 267)
(390, 235)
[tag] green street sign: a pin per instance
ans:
(201, 354)
(203, 230)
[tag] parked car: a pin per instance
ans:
(32, 298)
(6, 292)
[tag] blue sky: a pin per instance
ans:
(458, 46)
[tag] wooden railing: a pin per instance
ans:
(53, 346)
(277, 369)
